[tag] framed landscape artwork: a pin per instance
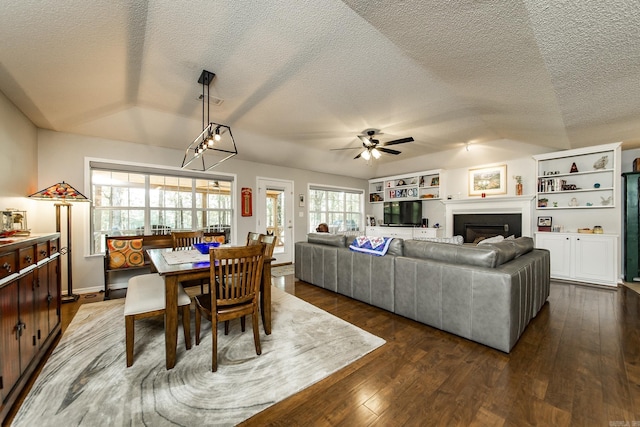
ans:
(492, 180)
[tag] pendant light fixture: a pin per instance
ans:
(215, 142)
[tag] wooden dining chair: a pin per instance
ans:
(253, 238)
(146, 298)
(270, 242)
(184, 240)
(235, 276)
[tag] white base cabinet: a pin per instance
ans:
(590, 258)
(403, 232)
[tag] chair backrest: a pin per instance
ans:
(270, 241)
(183, 240)
(236, 273)
(253, 238)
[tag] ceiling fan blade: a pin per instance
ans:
(388, 150)
(399, 141)
(365, 140)
(358, 156)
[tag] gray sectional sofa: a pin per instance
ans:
(486, 293)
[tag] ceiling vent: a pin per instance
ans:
(213, 100)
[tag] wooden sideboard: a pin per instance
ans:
(29, 309)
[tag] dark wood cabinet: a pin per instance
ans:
(9, 340)
(29, 310)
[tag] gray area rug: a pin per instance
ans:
(283, 270)
(86, 382)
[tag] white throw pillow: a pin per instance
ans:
(494, 239)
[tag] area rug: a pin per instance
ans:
(283, 270)
(85, 382)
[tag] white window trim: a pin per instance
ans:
(232, 177)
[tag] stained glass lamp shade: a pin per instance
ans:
(60, 191)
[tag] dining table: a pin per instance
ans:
(180, 266)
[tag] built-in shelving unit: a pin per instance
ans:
(577, 191)
(578, 179)
(420, 185)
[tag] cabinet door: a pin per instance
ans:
(594, 259)
(28, 336)
(560, 247)
(54, 293)
(42, 303)
(9, 340)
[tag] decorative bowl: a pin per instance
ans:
(203, 248)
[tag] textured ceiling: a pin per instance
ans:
(299, 78)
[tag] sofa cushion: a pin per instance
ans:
(455, 240)
(396, 247)
(457, 254)
(505, 251)
(328, 239)
(522, 245)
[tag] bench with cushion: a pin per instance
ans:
(129, 253)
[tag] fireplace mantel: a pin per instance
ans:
(496, 204)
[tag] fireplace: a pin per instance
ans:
(475, 227)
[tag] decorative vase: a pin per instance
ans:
(518, 189)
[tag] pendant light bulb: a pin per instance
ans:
(217, 134)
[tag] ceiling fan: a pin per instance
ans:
(373, 147)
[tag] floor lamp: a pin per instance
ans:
(63, 193)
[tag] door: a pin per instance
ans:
(274, 214)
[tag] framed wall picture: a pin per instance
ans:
(435, 181)
(489, 181)
(301, 200)
(544, 223)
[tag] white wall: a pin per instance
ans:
(18, 161)
(61, 157)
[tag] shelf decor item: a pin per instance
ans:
(574, 168)
(544, 223)
(488, 181)
(601, 163)
(518, 179)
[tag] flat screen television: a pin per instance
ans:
(403, 213)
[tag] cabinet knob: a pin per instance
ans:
(7, 267)
(28, 259)
(43, 253)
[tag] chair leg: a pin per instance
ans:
(243, 323)
(256, 332)
(214, 343)
(198, 320)
(186, 325)
(226, 327)
(129, 334)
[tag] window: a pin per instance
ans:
(148, 202)
(341, 209)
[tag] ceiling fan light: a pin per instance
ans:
(376, 153)
(366, 155)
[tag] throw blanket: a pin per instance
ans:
(377, 246)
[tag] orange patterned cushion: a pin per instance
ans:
(209, 239)
(125, 253)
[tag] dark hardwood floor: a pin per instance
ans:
(577, 364)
